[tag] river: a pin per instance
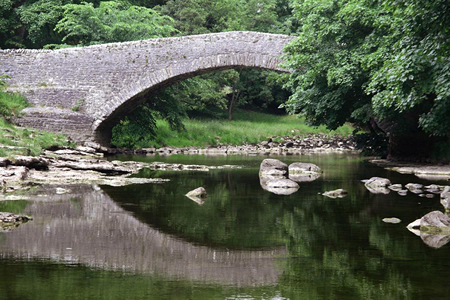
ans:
(149, 241)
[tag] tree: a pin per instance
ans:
(370, 61)
(84, 24)
(233, 86)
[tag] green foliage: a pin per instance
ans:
(11, 104)
(39, 18)
(25, 141)
(84, 24)
(246, 127)
(15, 207)
(136, 129)
(203, 16)
(77, 105)
(328, 80)
(139, 128)
(363, 60)
(232, 88)
(3, 83)
(416, 68)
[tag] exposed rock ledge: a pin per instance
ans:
(276, 145)
(9, 221)
(80, 166)
(431, 172)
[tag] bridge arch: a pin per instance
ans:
(83, 91)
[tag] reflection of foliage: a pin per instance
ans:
(48, 280)
(372, 144)
(338, 248)
(15, 207)
(222, 220)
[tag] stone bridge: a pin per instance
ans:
(84, 91)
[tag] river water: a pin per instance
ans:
(151, 242)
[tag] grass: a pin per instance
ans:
(247, 127)
(22, 141)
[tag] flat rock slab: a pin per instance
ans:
(392, 220)
(430, 172)
(339, 193)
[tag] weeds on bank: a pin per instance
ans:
(247, 127)
(22, 141)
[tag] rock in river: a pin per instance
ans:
(303, 172)
(272, 167)
(278, 186)
(339, 193)
(299, 168)
(9, 221)
(199, 192)
(378, 185)
(282, 183)
(433, 229)
(392, 220)
(445, 198)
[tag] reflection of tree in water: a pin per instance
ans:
(234, 215)
(339, 248)
(337, 257)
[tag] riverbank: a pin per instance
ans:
(247, 127)
(88, 164)
(276, 145)
(423, 171)
(81, 165)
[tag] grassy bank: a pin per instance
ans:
(22, 141)
(247, 127)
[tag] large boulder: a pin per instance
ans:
(300, 168)
(303, 177)
(433, 229)
(282, 183)
(278, 186)
(303, 172)
(272, 167)
(435, 222)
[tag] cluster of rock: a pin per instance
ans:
(423, 171)
(378, 185)
(434, 227)
(9, 221)
(313, 143)
(281, 179)
(79, 166)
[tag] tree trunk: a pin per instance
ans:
(234, 96)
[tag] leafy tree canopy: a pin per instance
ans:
(354, 60)
(84, 24)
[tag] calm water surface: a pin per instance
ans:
(151, 242)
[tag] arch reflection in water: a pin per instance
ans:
(89, 228)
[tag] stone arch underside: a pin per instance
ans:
(83, 91)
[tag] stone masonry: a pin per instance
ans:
(83, 91)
